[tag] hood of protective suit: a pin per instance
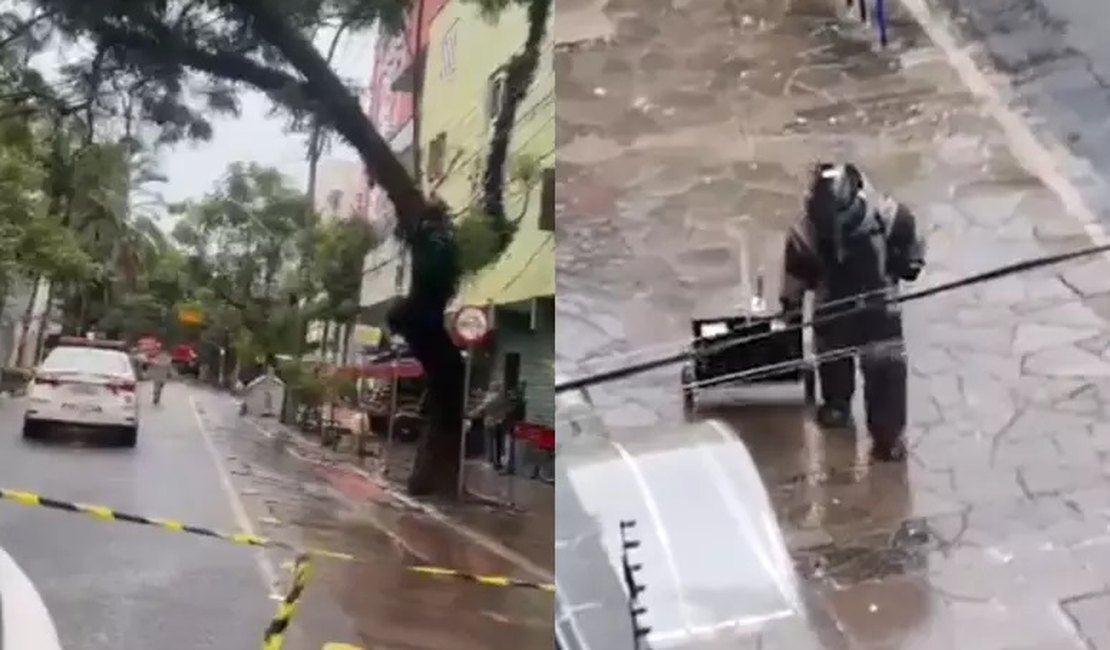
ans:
(836, 204)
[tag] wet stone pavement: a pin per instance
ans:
(684, 129)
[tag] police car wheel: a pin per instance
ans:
(689, 403)
(688, 399)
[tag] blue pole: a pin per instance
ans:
(880, 17)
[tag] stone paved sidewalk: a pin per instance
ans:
(684, 129)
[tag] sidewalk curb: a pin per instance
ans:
(1030, 150)
(432, 512)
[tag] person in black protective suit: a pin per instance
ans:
(852, 247)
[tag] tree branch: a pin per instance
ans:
(26, 27)
(341, 107)
(280, 85)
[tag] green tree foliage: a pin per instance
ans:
(126, 242)
(33, 239)
(341, 249)
(241, 241)
(480, 234)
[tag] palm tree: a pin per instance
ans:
(113, 211)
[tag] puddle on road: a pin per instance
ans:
(874, 557)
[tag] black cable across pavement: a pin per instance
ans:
(1014, 268)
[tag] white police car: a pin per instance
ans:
(87, 387)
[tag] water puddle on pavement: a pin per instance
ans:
(873, 557)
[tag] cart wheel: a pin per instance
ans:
(809, 384)
(688, 402)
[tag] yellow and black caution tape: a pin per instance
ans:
(108, 514)
(246, 539)
(274, 638)
(489, 581)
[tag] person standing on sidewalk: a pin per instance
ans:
(486, 418)
(516, 413)
(852, 247)
(496, 416)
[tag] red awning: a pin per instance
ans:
(400, 369)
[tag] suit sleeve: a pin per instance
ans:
(907, 244)
(801, 268)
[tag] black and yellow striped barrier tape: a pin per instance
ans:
(109, 514)
(274, 638)
(489, 581)
(245, 539)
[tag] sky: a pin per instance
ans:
(193, 169)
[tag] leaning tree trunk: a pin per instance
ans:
(419, 317)
(424, 227)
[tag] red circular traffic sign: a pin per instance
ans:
(471, 325)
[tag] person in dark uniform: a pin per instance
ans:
(853, 247)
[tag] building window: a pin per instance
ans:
(437, 152)
(495, 90)
(547, 200)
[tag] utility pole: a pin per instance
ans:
(315, 146)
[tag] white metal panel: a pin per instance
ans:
(714, 561)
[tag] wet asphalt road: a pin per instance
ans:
(123, 587)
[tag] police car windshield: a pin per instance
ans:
(63, 359)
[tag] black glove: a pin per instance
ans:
(911, 271)
(904, 269)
